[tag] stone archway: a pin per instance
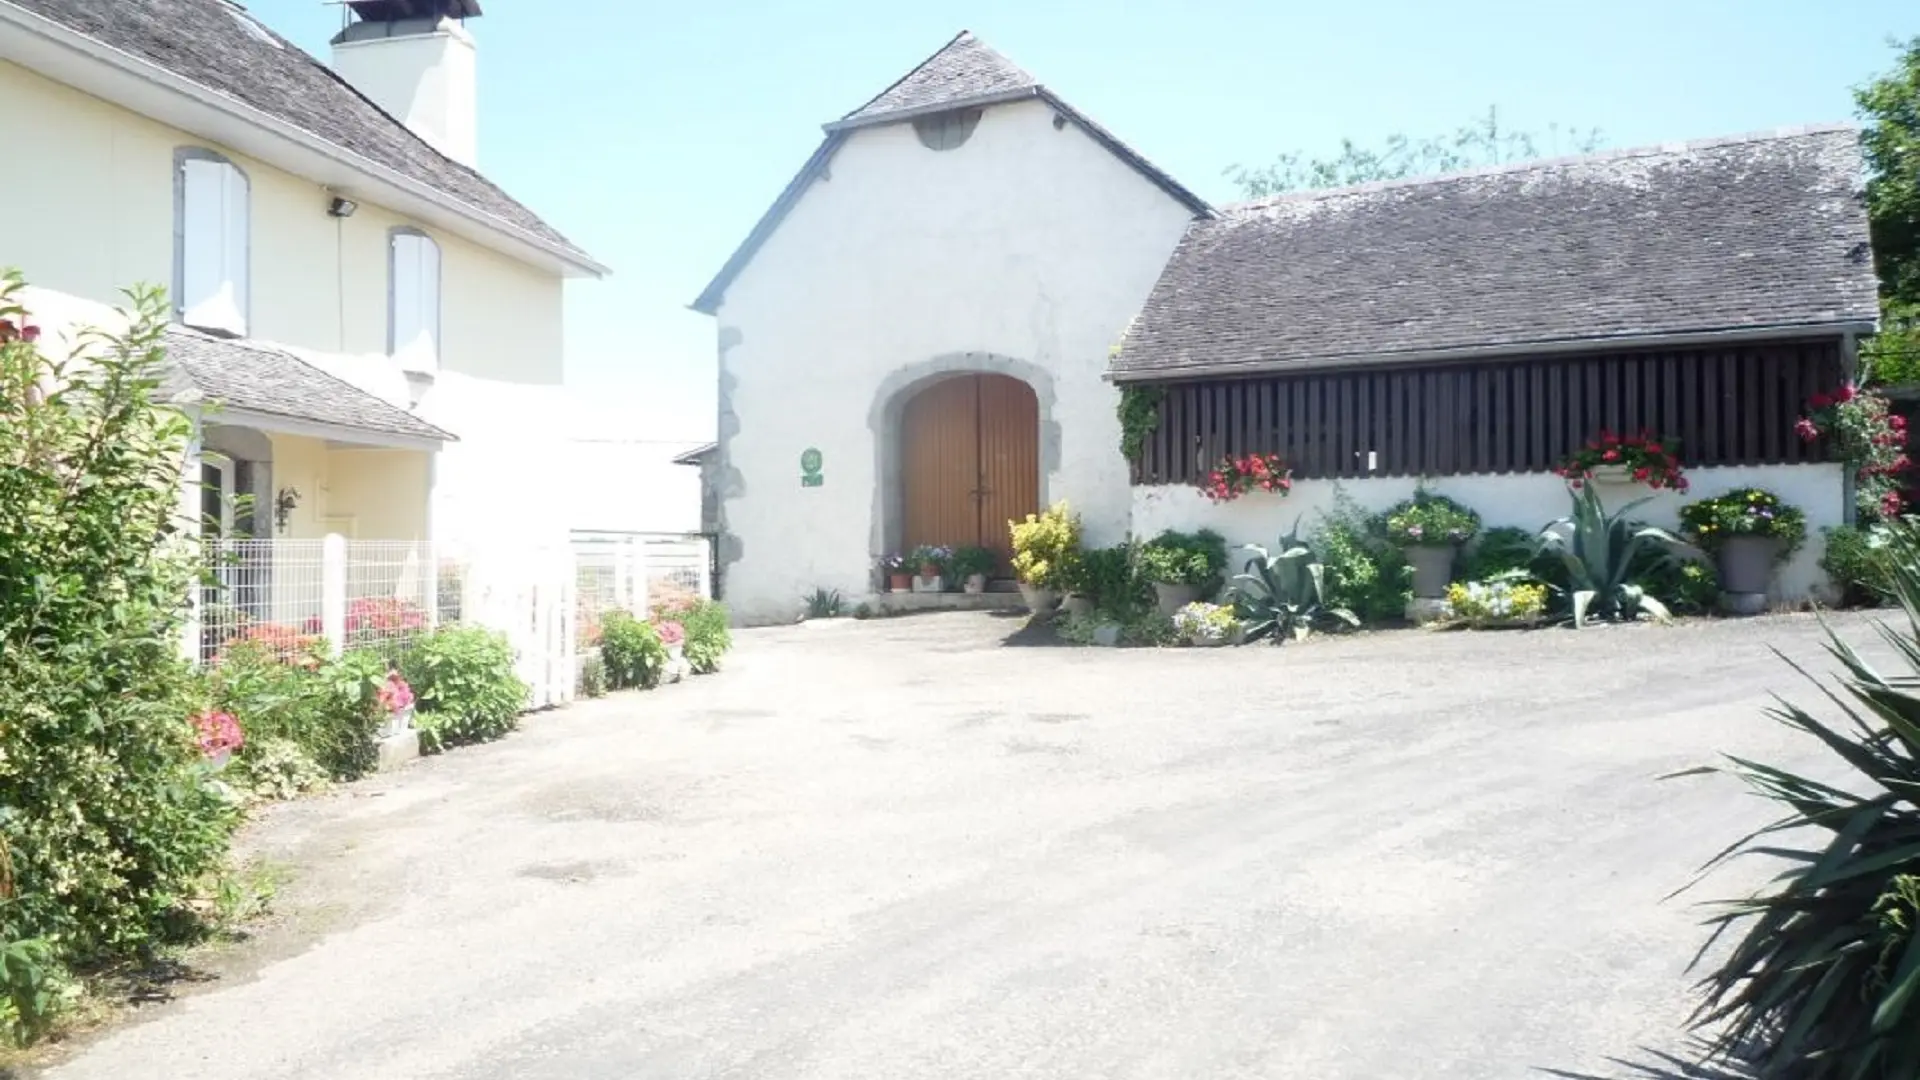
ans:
(962, 415)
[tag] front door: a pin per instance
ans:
(970, 460)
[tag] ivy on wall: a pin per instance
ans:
(1139, 416)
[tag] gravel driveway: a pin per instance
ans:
(903, 849)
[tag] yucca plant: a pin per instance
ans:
(1282, 596)
(1598, 551)
(1825, 982)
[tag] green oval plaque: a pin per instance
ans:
(810, 462)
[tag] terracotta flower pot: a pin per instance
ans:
(1432, 569)
(1746, 563)
(900, 581)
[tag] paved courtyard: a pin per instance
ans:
(904, 849)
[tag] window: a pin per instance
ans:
(413, 301)
(210, 242)
(947, 130)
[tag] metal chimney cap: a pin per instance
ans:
(395, 10)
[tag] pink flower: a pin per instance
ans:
(1845, 393)
(1821, 401)
(396, 696)
(218, 733)
(1806, 429)
(671, 633)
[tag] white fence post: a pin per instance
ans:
(642, 603)
(333, 592)
(706, 568)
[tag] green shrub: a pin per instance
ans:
(327, 708)
(1177, 558)
(1362, 574)
(825, 603)
(1500, 551)
(1683, 585)
(1106, 577)
(708, 638)
(1045, 546)
(464, 687)
(634, 653)
(275, 768)
(1822, 983)
(1855, 560)
(593, 676)
(106, 804)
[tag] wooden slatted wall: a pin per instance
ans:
(1730, 406)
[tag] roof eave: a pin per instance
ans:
(285, 145)
(289, 424)
(708, 302)
(1777, 332)
(895, 116)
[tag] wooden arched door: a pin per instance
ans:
(970, 460)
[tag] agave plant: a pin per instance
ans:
(1599, 551)
(1825, 984)
(1282, 596)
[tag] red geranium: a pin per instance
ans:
(1651, 461)
(1233, 477)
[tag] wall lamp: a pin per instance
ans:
(342, 207)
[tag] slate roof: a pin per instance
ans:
(246, 375)
(217, 45)
(965, 69)
(964, 73)
(1760, 231)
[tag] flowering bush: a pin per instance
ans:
(110, 821)
(1203, 623)
(286, 644)
(932, 557)
(893, 564)
(1869, 438)
(219, 733)
(1429, 520)
(1177, 558)
(1233, 477)
(708, 638)
(1045, 545)
(1650, 461)
(671, 633)
(1493, 603)
(635, 655)
(1745, 512)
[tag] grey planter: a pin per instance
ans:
(1039, 601)
(1432, 569)
(1746, 563)
(1171, 598)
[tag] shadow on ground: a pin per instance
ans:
(1661, 1065)
(1032, 633)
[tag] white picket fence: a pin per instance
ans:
(637, 572)
(381, 594)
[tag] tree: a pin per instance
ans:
(1477, 144)
(1890, 107)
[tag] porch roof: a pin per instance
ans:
(255, 381)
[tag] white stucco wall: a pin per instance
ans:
(101, 196)
(1527, 501)
(1028, 242)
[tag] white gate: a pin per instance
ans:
(528, 595)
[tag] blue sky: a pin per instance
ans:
(654, 133)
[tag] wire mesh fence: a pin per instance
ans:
(304, 598)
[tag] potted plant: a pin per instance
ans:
(1207, 625)
(1044, 548)
(1747, 531)
(931, 560)
(894, 568)
(1182, 566)
(1430, 529)
(1626, 459)
(971, 565)
(1233, 477)
(1502, 602)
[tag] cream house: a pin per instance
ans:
(368, 329)
(931, 330)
